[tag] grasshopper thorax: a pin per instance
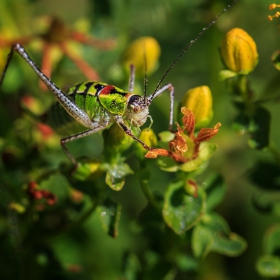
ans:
(137, 110)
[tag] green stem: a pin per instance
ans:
(149, 196)
(244, 90)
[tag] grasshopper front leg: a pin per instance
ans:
(119, 120)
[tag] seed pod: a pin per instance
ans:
(199, 101)
(239, 51)
(145, 50)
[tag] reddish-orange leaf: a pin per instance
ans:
(154, 153)
(188, 120)
(179, 142)
(206, 134)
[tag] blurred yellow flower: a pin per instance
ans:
(143, 53)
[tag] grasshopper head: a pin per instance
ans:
(137, 110)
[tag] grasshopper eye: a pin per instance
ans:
(135, 103)
(134, 99)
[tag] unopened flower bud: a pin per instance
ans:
(149, 138)
(199, 101)
(239, 51)
(143, 53)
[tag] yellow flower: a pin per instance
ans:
(143, 52)
(199, 101)
(239, 51)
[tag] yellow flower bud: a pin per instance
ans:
(145, 50)
(149, 138)
(199, 101)
(239, 51)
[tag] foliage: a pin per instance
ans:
(193, 208)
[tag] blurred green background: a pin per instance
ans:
(173, 23)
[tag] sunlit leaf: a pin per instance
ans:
(213, 230)
(115, 175)
(182, 211)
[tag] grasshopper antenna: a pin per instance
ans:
(190, 44)
(145, 74)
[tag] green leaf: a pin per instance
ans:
(85, 170)
(109, 214)
(260, 127)
(215, 189)
(272, 240)
(268, 266)
(225, 242)
(202, 241)
(115, 175)
(213, 234)
(267, 202)
(233, 245)
(182, 211)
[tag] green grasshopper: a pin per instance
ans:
(97, 105)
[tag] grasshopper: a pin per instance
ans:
(96, 105)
